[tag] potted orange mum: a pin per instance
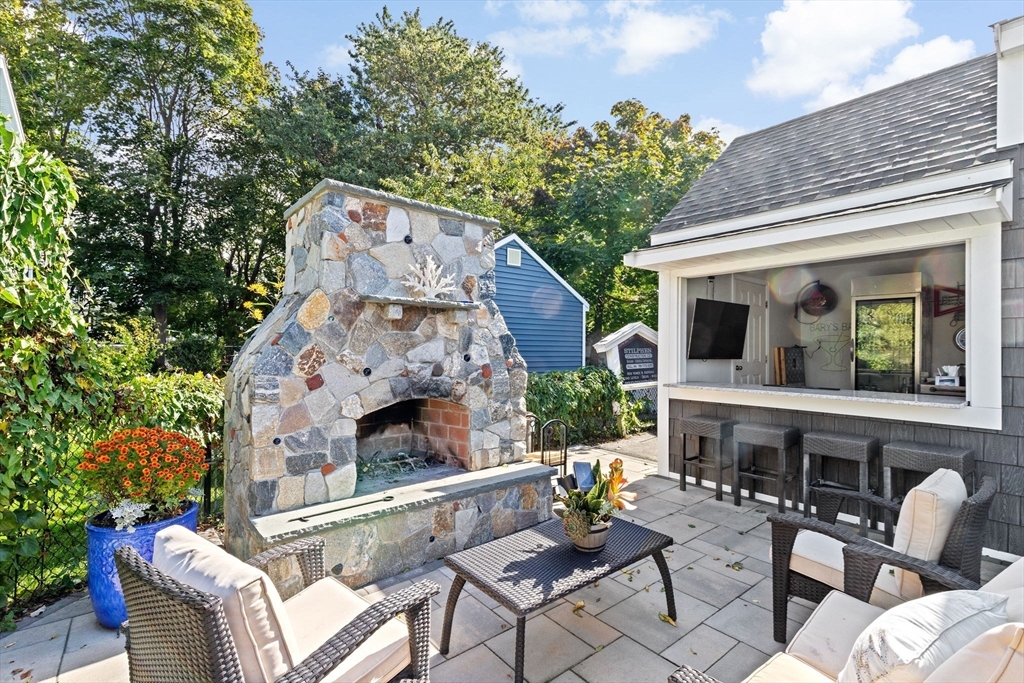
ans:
(147, 479)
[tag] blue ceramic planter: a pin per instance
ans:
(104, 586)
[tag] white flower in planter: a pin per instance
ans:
(126, 513)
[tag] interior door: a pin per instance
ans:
(753, 367)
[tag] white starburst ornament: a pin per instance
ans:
(428, 281)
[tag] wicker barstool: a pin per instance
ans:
(710, 434)
(923, 457)
(860, 449)
(782, 439)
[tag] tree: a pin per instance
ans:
(607, 188)
(175, 74)
(428, 96)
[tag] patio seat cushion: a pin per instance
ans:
(926, 518)
(783, 667)
(254, 611)
(1010, 582)
(910, 641)
(996, 656)
(821, 558)
(826, 638)
(322, 609)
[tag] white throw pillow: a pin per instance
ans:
(255, 614)
(926, 518)
(910, 641)
(996, 656)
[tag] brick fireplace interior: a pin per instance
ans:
(427, 426)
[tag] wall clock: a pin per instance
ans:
(961, 338)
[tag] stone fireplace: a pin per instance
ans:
(386, 342)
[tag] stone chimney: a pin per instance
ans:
(351, 337)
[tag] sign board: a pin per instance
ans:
(638, 359)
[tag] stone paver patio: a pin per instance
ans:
(721, 579)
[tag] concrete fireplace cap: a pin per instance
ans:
(393, 199)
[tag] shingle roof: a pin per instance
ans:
(943, 121)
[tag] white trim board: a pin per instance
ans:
(992, 172)
(543, 264)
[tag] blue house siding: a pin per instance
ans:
(546, 319)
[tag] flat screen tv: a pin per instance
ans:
(719, 330)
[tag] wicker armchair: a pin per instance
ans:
(960, 556)
(177, 633)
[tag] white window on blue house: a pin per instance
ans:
(513, 257)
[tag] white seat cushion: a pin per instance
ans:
(910, 641)
(781, 667)
(1010, 582)
(255, 614)
(926, 518)
(828, 635)
(321, 610)
(821, 557)
(996, 656)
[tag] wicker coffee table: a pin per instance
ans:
(529, 569)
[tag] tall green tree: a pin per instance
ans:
(175, 74)
(429, 96)
(607, 187)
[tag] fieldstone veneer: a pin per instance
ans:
(325, 355)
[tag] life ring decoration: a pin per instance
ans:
(817, 299)
(961, 338)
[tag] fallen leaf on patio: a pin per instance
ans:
(667, 619)
(598, 600)
(17, 671)
(630, 579)
(663, 589)
(598, 648)
(692, 526)
(647, 589)
(741, 532)
(10, 644)
(727, 547)
(756, 602)
(626, 571)
(577, 607)
(690, 568)
(760, 512)
(692, 651)
(669, 551)
(715, 559)
(25, 675)
(735, 566)
(596, 584)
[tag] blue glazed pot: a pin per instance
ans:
(104, 586)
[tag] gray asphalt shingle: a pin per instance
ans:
(940, 122)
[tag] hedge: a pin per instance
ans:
(591, 401)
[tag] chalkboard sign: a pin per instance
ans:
(638, 359)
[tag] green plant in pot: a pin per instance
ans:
(588, 515)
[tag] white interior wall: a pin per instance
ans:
(942, 266)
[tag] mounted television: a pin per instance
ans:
(719, 330)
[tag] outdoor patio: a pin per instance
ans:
(721, 577)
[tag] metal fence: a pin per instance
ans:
(60, 566)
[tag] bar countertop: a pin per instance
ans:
(930, 401)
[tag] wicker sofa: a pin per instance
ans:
(822, 647)
(199, 614)
(807, 554)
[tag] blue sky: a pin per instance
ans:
(740, 66)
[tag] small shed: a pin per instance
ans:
(632, 352)
(543, 312)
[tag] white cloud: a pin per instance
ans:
(553, 41)
(727, 131)
(643, 34)
(551, 11)
(809, 45)
(336, 56)
(647, 36)
(829, 51)
(911, 62)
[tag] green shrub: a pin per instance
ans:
(50, 386)
(590, 401)
(129, 350)
(192, 404)
(194, 352)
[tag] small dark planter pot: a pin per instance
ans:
(104, 585)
